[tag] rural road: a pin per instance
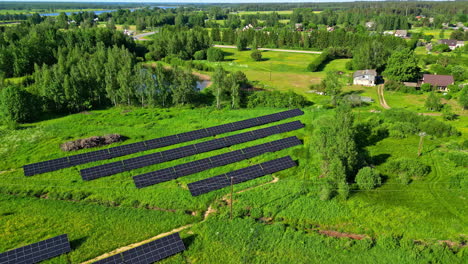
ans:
(380, 91)
(143, 35)
(282, 50)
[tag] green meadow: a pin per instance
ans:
(109, 213)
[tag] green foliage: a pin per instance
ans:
(318, 62)
(17, 105)
(332, 84)
(200, 55)
(214, 54)
(427, 87)
(408, 169)
(459, 158)
(256, 55)
(441, 48)
(276, 99)
(459, 180)
(241, 43)
(370, 55)
(448, 114)
(433, 102)
(393, 85)
(402, 66)
(367, 178)
(463, 98)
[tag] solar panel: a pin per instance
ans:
(189, 150)
(242, 175)
(57, 164)
(37, 252)
(185, 169)
(150, 252)
(154, 177)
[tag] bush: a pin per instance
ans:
(441, 48)
(393, 85)
(214, 54)
(402, 129)
(427, 87)
(276, 99)
(368, 179)
(200, 55)
(256, 55)
(318, 62)
(459, 158)
(407, 169)
(459, 180)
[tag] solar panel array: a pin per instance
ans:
(185, 169)
(61, 163)
(149, 252)
(177, 153)
(37, 252)
(242, 175)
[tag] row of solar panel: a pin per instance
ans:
(149, 252)
(37, 252)
(185, 169)
(186, 151)
(61, 163)
(242, 175)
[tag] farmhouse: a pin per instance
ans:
(365, 77)
(401, 33)
(452, 43)
(439, 81)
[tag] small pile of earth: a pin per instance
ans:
(91, 142)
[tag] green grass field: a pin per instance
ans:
(433, 32)
(283, 217)
(282, 71)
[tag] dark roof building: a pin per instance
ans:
(439, 81)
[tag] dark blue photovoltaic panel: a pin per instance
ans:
(242, 175)
(100, 171)
(185, 169)
(155, 177)
(150, 252)
(172, 154)
(57, 164)
(37, 252)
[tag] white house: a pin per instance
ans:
(365, 77)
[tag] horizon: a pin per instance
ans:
(220, 1)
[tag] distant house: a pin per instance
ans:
(401, 33)
(388, 33)
(439, 81)
(370, 24)
(452, 43)
(365, 77)
(429, 47)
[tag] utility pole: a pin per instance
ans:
(421, 137)
(232, 188)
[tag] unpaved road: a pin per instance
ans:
(143, 35)
(282, 50)
(380, 92)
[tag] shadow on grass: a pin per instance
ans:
(380, 159)
(188, 241)
(76, 243)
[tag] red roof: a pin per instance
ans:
(438, 80)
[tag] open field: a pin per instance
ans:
(433, 32)
(109, 213)
(282, 71)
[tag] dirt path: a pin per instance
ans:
(275, 179)
(143, 35)
(267, 49)
(380, 92)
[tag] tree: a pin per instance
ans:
(17, 105)
(448, 114)
(368, 179)
(234, 87)
(441, 48)
(256, 55)
(214, 54)
(332, 84)
(463, 99)
(219, 82)
(241, 43)
(433, 102)
(402, 66)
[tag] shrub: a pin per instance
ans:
(318, 62)
(18, 105)
(368, 179)
(276, 99)
(441, 48)
(402, 129)
(459, 158)
(459, 180)
(200, 55)
(392, 85)
(408, 168)
(256, 55)
(214, 54)
(426, 87)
